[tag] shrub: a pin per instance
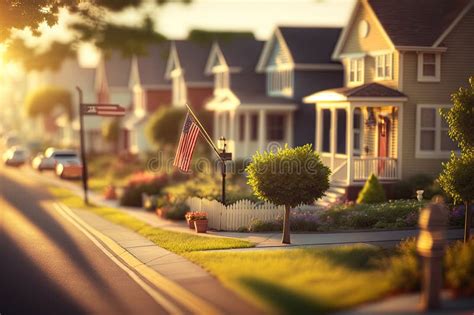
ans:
(372, 192)
(404, 273)
(265, 226)
(142, 183)
(459, 265)
(177, 211)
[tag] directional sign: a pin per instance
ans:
(102, 110)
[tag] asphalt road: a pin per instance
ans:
(47, 266)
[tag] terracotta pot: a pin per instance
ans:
(161, 212)
(200, 226)
(190, 224)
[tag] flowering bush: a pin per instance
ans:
(196, 215)
(142, 183)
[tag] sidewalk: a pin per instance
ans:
(409, 305)
(178, 269)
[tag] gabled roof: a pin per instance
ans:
(369, 90)
(192, 57)
(117, 69)
(410, 23)
(416, 22)
(152, 66)
(304, 45)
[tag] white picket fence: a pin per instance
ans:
(232, 217)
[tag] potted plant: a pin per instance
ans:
(200, 222)
(190, 217)
(162, 206)
(110, 193)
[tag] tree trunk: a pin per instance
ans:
(467, 222)
(286, 226)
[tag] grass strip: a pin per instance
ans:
(176, 242)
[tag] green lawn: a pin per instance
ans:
(300, 281)
(173, 241)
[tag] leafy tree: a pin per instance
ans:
(111, 131)
(43, 101)
(457, 180)
(288, 177)
(460, 117)
(372, 192)
(164, 126)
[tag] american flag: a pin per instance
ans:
(187, 143)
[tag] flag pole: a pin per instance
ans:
(204, 133)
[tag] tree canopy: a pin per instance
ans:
(43, 101)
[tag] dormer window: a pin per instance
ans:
(383, 67)
(429, 67)
(356, 71)
(280, 82)
(221, 80)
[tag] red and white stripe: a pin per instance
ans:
(110, 110)
(187, 143)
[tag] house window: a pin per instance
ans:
(326, 141)
(356, 127)
(280, 82)
(356, 70)
(254, 127)
(432, 139)
(383, 67)
(241, 127)
(429, 67)
(221, 80)
(275, 127)
(179, 90)
(341, 131)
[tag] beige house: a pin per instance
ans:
(402, 60)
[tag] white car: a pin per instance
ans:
(15, 156)
(52, 157)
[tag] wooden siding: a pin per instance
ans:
(457, 64)
(374, 42)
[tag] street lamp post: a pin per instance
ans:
(224, 156)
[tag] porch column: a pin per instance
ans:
(289, 129)
(261, 130)
(216, 125)
(349, 143)
(319, 128)
(399, 140)
(232, 131)
(247, 134)
(333, 136)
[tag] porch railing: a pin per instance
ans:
(383, 168)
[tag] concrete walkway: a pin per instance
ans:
(409, 304)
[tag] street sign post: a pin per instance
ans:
(106, 110)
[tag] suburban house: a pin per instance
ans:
(236, 86)
(112, 78)
(64, 130)
(185, 69)
(150, 91)
(402, 60)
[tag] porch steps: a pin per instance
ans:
(332, 195)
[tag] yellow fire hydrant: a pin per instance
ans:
(431, 245)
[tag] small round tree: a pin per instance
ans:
(288, 177)
(43, 101)
(457, 180)
(164, 126)
(111, 131)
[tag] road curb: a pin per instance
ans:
(135, 267)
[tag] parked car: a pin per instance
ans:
(15, 156)
(52, 157)
(39, 162)
(70, 169)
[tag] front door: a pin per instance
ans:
(384, 136)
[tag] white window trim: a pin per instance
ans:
(437, 153)
(221, 78)
(437, 76)
(383, 57)
(275, 77)
(349, 70)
